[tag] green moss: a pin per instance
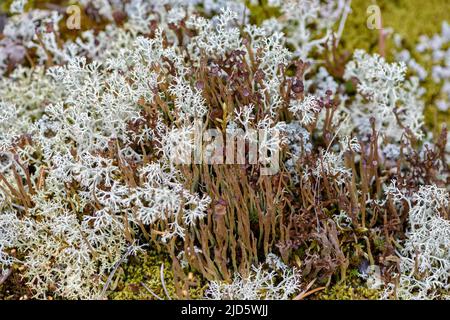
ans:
(410, 19)
(261, 11)
(145, 268)
(4, 6)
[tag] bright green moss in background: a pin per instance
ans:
(409, 18)
(259, 13)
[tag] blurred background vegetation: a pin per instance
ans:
(408, 18)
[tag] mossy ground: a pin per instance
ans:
(144, 272)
